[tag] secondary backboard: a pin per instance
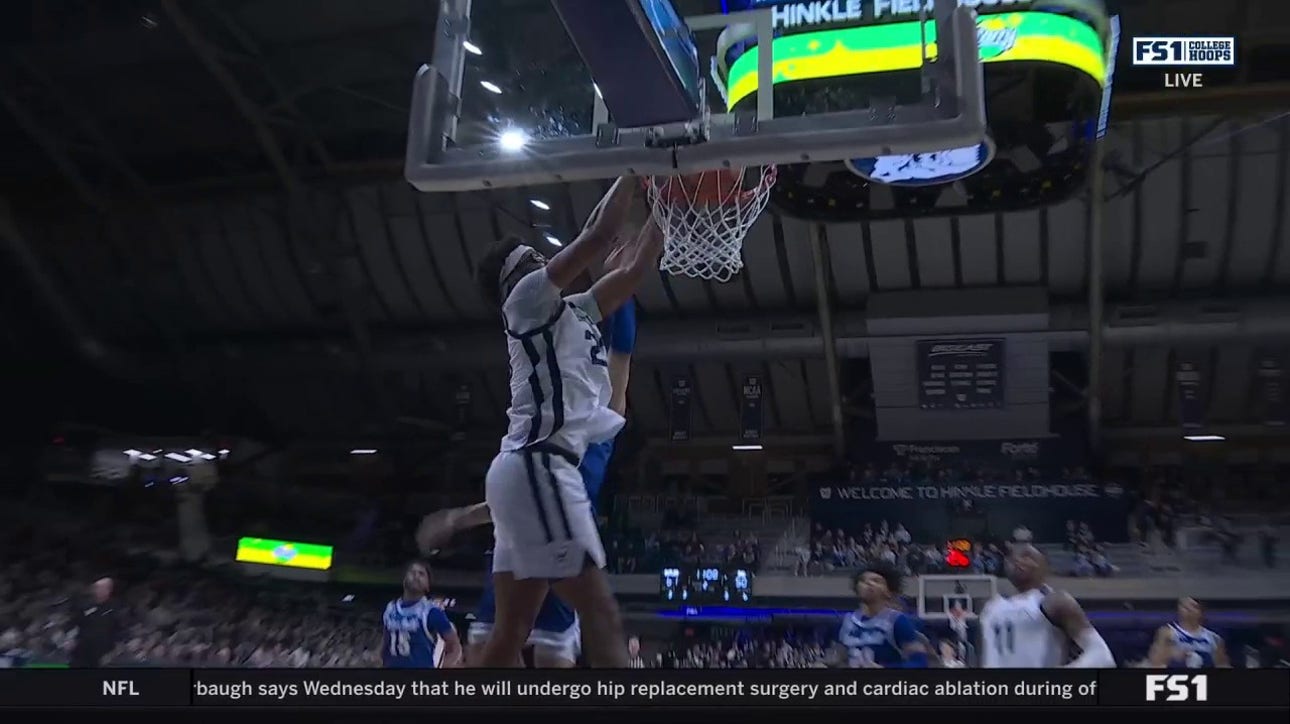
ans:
(949, 112)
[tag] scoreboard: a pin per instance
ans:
(706, 585)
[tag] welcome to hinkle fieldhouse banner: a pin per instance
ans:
(935, 511)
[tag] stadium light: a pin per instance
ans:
(193, 453)
(540, 204)
(147, 457)
(513, 140)
(491, 87)
(133, 453)
(363, 451)
(178, 458)
(553, 241)
(745, 448)
(1204, 438)
(471, 48)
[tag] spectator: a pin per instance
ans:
(634, 660)
(96, 627)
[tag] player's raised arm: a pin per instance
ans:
(439, 527)
(1063, 610)
(1161, 648)
(614, 289)
(602, 227)
(620, 337)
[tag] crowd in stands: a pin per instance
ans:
(843, 550)
(748, 650)
(633, 551)
(1090, 556)
(168, 613)
(676, 542)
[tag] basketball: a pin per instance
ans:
(703, 188)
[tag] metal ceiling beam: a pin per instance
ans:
(303, 213)
(64, 312)
(286, 99)
(660, 342)
(824, 307)
(1095, 236)
(1250, 98)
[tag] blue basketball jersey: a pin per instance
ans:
(1193, 650)
(879, 639)
(412, 633)
(594, 468)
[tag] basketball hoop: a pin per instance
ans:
(705, 216)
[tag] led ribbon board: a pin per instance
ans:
(1004, 37)
(291, 554)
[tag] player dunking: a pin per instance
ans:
(414, 626)
(544, 531)
(1032, 629)
(556, 635)
(1186, 643)
(878, 635)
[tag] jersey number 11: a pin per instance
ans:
(1005, 638)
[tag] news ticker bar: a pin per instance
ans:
(637, 688)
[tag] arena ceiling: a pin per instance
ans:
(212, 194)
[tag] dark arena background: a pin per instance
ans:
(244, 356)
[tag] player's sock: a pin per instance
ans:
(622, 328)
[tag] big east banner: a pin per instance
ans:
(934, 511)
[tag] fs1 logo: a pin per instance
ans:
(1184, 51)
(1177, 687)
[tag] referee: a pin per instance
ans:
(96, 625)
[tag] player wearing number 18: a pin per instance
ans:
(414, 626)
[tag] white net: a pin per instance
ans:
(705, 217)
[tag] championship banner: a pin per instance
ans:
(1190, 382)
(928, 510)
(679, 414)
(1272, 390)
(788, 689)
(462, 412)
(960, 374)
(750, 410)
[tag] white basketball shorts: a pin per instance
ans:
(566, 644)
(543, 526)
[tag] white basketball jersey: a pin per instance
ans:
(560, 389)
(1016, 634)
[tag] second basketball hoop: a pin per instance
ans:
(705, 216)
